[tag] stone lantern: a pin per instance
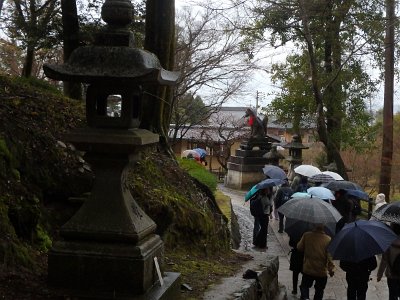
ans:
(108, 248)
(295, 154)
(273, 156)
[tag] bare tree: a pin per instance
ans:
(212, 63)
(220, 137)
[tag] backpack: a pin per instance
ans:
(283, 196)
(286, 195)
(256, 206)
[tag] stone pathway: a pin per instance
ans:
(278, 246)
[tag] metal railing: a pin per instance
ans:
(368, 211)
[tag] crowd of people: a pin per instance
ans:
(309, 254)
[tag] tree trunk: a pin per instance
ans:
(160, 40)
(28, 64)
(387, 144)
(71, 42)
(334, 97)
(321, 125)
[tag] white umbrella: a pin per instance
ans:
(192, 153)
(307, 170)
(334, 175)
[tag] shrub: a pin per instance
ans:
(197, 171)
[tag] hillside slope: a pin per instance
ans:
(39, 172)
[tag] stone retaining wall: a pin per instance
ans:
(267, 287)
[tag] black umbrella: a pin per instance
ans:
(342, 185)
(388, 212)
(296, 228)
(361, 239)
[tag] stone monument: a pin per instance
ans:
(245, 167)
(108, 249)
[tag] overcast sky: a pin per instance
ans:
(261, 80)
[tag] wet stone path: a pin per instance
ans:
(278, 246)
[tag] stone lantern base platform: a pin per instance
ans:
(108, 248)
(245, 168)
(95, 270)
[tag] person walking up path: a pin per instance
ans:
(317, 262)
(391, 264)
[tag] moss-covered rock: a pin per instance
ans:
(34, 169)
(183, 213)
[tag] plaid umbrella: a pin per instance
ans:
(323, 178)
(388, 212)
(313, 210)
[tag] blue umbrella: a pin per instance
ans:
(251, 193)
(268, 183)
(274, 172)
(361, 239)
(300, 195)
(321, 192)
(202, 152)
(262, 185)
(357, 194)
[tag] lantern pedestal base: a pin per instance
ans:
(108, 247)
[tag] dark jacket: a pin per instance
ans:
(283, 194)
(365, 266)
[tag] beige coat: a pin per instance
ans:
(317, 261)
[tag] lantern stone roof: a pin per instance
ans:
(99, 63)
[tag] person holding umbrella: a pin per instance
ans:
(260, 208)
(390, 264)
(260, 197)
(282, 195)
(357, 276)
(317, 262)
(296, 261)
